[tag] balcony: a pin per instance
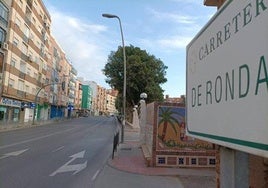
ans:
(25, 38)
(74, 71)
(24, 57)
(20, 94)
(22, 75)
(71, 96)
(30, 3)
(28, 20)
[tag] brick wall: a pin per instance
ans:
(175, 148)
(258, 172)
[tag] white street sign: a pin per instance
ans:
(227, 78)
(74, 167)
(13, 154)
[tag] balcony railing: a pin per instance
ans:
(22, 75)
(21, 93)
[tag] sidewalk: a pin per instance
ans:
(129, 158)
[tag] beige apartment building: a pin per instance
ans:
(110, 104)
(25, 62)
(78, 96)
(101, 100)
(37, 80)
(35, 74)
(5, 7)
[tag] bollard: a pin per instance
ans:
(116, 143)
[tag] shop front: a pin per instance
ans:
(9, 111)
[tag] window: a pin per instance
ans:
(3, 14)
(20, 3)
(44, 66)
(27, 88)
(28, 71)
(26, 31)
(35, 4)
(202, 161)
(2, 35)
(32, 36)
(16, 41)
(17, 22)
(15, 115)
(23, 66)
(21, 85)
(161, 160)
(212, 161)
(13, 62)
(193, 161)
(181, 161)
(11, 83)
(35, 76)
(34, 21)
(24, 48)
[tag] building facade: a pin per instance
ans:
(86, 100)
(5, 7)
(111, 99)
(37, 81)
(25, 65)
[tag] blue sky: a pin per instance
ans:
(161, 27)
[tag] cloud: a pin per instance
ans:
(174, 42)
(188, 1)
(172, 17)
(80, 40)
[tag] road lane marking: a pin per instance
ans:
(60, 148)
(75, 167)
(34, 139)
(95, 175)
(14, 153)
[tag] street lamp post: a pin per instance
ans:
(124, 88)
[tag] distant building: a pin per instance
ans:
(110, 105)
(86, 99)
(180, 100)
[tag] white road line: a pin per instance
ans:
(95, 175)
(34, 139)
(60, 148)
(73, 167)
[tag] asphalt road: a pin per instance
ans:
(67, 154)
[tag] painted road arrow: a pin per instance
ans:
(75, 167)
(13, 154)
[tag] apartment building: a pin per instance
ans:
(101, 100)
(78, 96)
(25, 65)
(94, 86)
(110, 102)
(4, 17)
(37, 80)
(35, 73)
(57, 93)
(86, 100)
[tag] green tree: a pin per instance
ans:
(145, 73)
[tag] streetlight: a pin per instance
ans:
(125, 76)
(143, 115)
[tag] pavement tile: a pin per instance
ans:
(129, 158)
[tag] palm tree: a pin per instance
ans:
(167, 118)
